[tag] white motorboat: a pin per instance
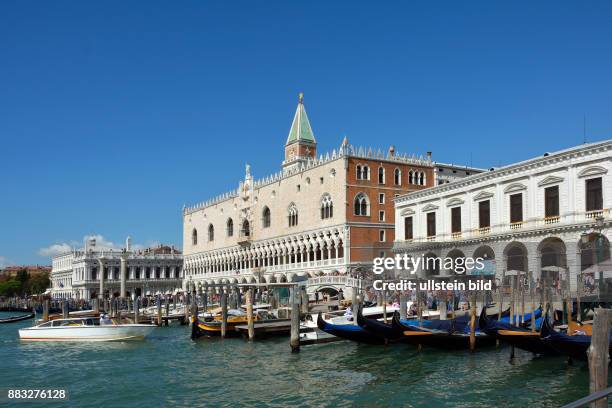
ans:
(85, 329)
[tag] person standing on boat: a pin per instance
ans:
(104, 320)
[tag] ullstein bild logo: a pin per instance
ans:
(474, 266)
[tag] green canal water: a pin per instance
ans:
(168, 369)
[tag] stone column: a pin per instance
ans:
(122, 275)
(101, 277)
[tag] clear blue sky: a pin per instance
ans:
(115, 114)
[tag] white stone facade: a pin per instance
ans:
(76, 274)
(549, 245)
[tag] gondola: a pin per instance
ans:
(456, 337)
(385, 331)
(14, 319)
(575, 346)
(349, 332)
(520, 337)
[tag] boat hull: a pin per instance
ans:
(87, 333)
(349, 331)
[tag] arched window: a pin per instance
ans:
(327, 207)
(410, 177)
(362, 205)
(422, 179)
(211, 233)
(381, 175)
(359, 174)
(230, 227)
(365, 172)
(397, 177)
(194, 237)
(293, 215)
(245, 231)
(266, 217)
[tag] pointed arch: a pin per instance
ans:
(362, 204)
(397, 177)
(292, 215)
(194, 237)
(229, 227)
(266, 217)
(327, 206)
(211, 233)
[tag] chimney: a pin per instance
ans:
(128, 243)
(391, 151)
(429, 156)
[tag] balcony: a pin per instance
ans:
(245, 237)
(456, 235)
(551, 220)
(516, 225)
(484, 230)
(591, 215)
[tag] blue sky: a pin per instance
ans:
(115, 114)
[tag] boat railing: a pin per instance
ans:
(596, 396)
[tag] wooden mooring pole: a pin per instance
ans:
(249, 310)
(136, 309)
(598, 354)
(46, 310)
(473, 322)
(223, 311)
(295, 321)
(159, 310)
(167, 310)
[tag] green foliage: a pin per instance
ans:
(10, 288)
(25, 284)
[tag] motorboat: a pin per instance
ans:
(85, 329)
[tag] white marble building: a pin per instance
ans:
(549, 216)
(76, 274)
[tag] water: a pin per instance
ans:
(168, 369)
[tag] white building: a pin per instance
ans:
(76, 274)
(543, 215)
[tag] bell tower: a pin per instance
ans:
(301, 145)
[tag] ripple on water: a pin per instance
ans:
(169, 369)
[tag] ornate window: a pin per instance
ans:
(293, 215)
(410, 177)
(245, 231)
(266, 217)
(397, 177)
(381, 175)
(363, 172)
(230, 227)
(327, 207)
(211, 233)
(362, 205)
(194, 237)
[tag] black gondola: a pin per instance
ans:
(520, 337)
(457, 337)
(349, 332)
(387, 332)
(14, 319)
(572, 346)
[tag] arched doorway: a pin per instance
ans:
(456, 266)
(487, 258)
(595, 265)
(431, 265)
(553, 263)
